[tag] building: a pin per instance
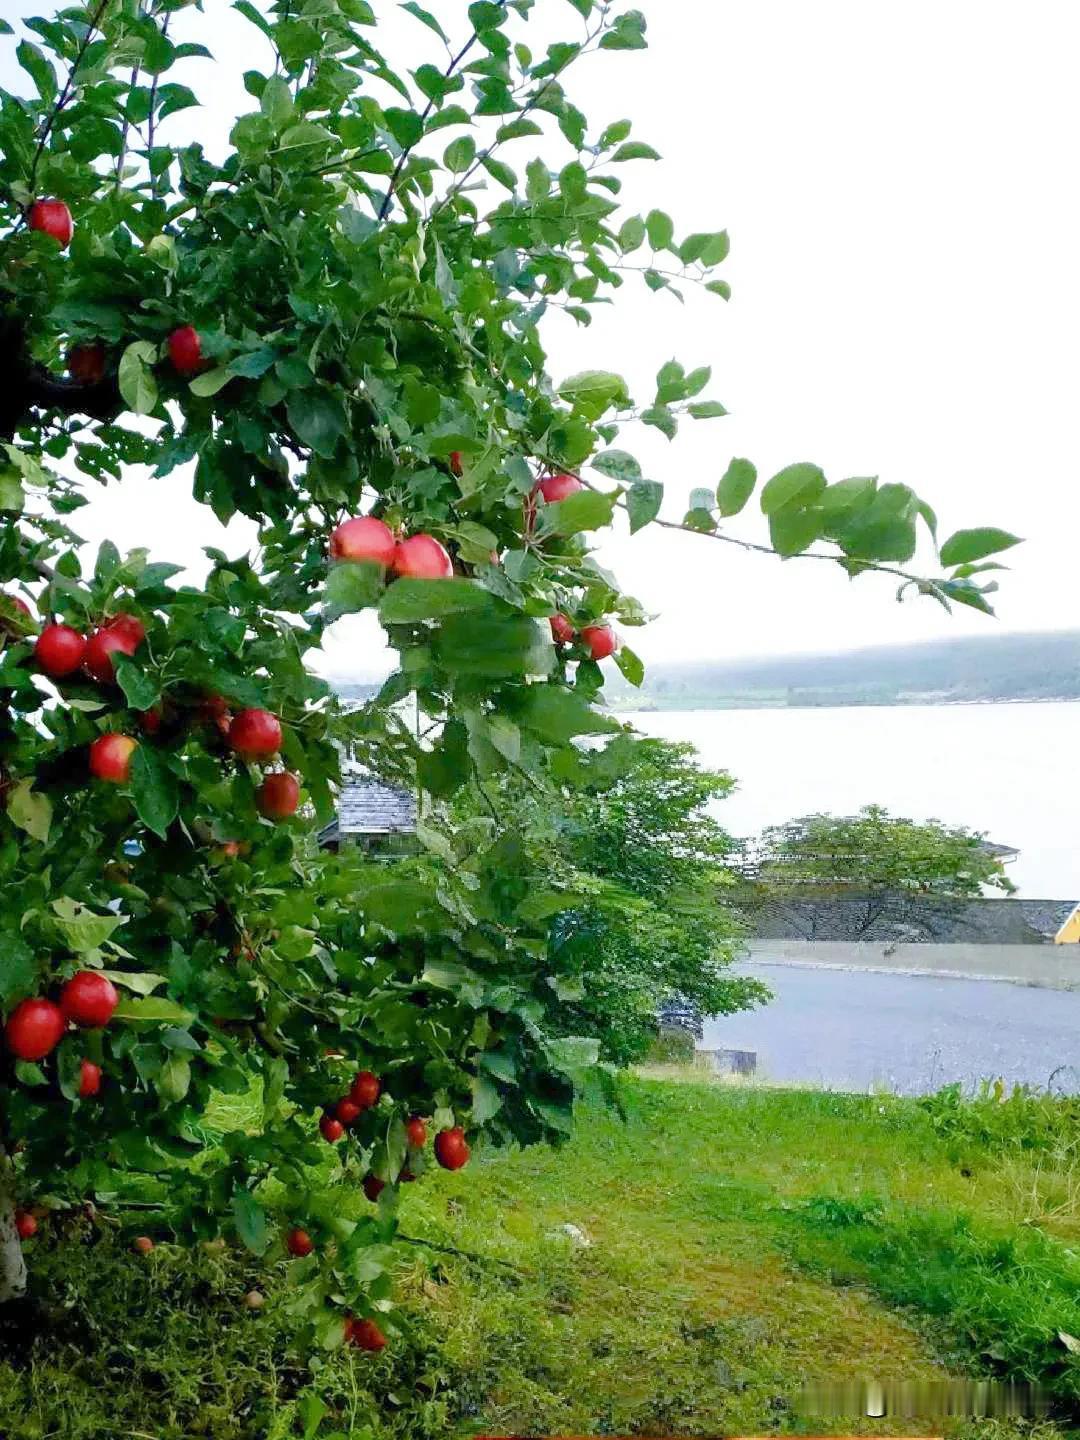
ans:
(374, 815)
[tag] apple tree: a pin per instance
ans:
(334, 317)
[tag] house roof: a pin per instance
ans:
(367, 806)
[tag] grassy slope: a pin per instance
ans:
(703, 1302)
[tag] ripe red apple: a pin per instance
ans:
(142, 1244)
(232, 848)
(373, 1187)
(365, 1089)
(416, 1133)
(34, 1028)
(346, 1110)
(255, 733)
(279, 795)
(59, 650)
(364, 1334)
(151, 719)
(110, 757)
(52, 217)
(421, 557)
(185, 350)
(89, 999)
(129, 625)
(110, 640)
(299, 1243)
(455, 462)
(600, 640)
(562, 629)
(86, 362)
(89, 1079)
(214, 710)
(557, 487)
(25, 1224)
(365, 538)
(331, 1129)
(451, 1151)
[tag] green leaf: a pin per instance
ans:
(408, 601)
(618, 465)
(276, 101)
(627, 33)
(154, 790)
(425, 17)
(573, 1053)
(517, 130)
(142, 983)
(846, 495)
(140, 690)
(631, 667)
(174, 1078)
(500, 172)
(352, 586)
(251, 1222)
(793, 531)
(635, 150)
(211, 382)
(966, 546)
(592, 392)
(706, 410)
(12, 495)
(585, 510)
(460, 154)
(798, 485)
(486, 1100)
(82, 929)
(632, 234)
(643, 501)
(254, 363)
(152, 1009)
(30, 812)
(736, 487)
(37, 66)
(17, 969)
(558, 715)
(660, 229)
(318, 417)
(137, 384)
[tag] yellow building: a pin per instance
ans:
(1069, 934)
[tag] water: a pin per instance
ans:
(1009, 770)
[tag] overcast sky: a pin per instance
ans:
(898, 180)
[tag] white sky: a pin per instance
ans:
(899, 183)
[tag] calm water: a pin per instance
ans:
(1010, 770)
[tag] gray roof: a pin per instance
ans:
(371, 807)
(910, 918)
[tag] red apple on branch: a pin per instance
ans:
(59, 650)
(557, 487)
(86, 362)
(255, 734)
(279, 795)
(365, 1090)
(364, 538)
(34, 1028)
(89, 999)
(451, 1150)
(562, 629)
(52, 217)
(600, 640)
(364, 1334)
(142, 1244)
(116, 638)
(25, 1224)
(185, 350)
(331, 1129)
(346, 1110)
(110, 758)
(422, 557)
(299, 1243)
(89, 1079)
(416, 1133)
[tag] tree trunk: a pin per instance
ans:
(12, 1264)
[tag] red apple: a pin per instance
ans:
(557, 487)
(255, 733)
(455, 462)
(421, 557)
(110, 758)
(89, 1079)
(89, 999)
(129, 625)
(110, 640)
(59, 650)
(150, 720)
(52, 217)
(373, 1187)
(346, 1110)
(365, 538)
(214, 710)
(86, 362)
(185, 350)
(562, 629)
(331, 1129)
(232, 848)
(416, 1133)
(600, 640)
(279, 795)
(34, 1028)
(299, 1243)
(365, 1090)
(25, 1224)
(142, 1244)
(364, 1334)
(451, 1151)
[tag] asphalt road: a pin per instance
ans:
(858, 1030)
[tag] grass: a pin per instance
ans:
(740, 1243)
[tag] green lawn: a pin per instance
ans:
(741, 1243)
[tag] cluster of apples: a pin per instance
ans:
(367, 538)
(35, 1027)
(600, 640)
(363, 1094)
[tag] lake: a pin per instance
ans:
(1009, 770)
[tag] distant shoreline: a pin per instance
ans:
(649, 706)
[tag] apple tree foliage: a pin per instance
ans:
(368, 259)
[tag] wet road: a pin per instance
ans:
(854, 1030)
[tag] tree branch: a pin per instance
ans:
(68, 91)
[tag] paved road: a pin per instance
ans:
(854, 1030)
